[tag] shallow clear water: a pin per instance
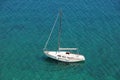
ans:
(91, 25)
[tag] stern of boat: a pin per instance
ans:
(82, 57)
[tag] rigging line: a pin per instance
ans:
(51, 32)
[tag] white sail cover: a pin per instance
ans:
(67, 48)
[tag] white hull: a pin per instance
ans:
(65, 56)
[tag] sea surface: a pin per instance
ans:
(93, 26)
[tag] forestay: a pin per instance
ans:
(51, 32)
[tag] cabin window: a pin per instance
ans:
(67, 53)
(59, 55)
(64, 56)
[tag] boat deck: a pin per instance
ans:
(66, 56)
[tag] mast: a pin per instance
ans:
(59, 31)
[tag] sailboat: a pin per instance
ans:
(62, 54)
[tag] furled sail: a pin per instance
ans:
(68, 48)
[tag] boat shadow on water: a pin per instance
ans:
(55, 65)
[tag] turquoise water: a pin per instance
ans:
(91, 25)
